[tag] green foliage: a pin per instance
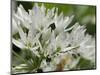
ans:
(27, 57)
(85, 64)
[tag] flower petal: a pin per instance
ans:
(18, 43)
(22, 34)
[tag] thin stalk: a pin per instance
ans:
(22, 59)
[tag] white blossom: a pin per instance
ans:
(47, 31)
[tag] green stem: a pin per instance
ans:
(22, 59)
(70, 49)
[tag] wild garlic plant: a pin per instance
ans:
(49, 44)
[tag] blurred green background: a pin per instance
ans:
(84, 14)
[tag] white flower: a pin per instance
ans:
(40, 18)
(62, 22)
(73, 44)
(48, 37)
(21, 18)
(27, 41)
(85, 42)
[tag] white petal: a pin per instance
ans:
(74, 26)
(70, 20)
(18, 43)
(43, 9)
(46, 34)
(53, 41)
(22, 34)
(31, 33)
(18, 17)
(20, 10)
(35, 48)
(36, 9)
(14, 26)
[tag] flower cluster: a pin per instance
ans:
(48, 40)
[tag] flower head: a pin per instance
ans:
(46, 34)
